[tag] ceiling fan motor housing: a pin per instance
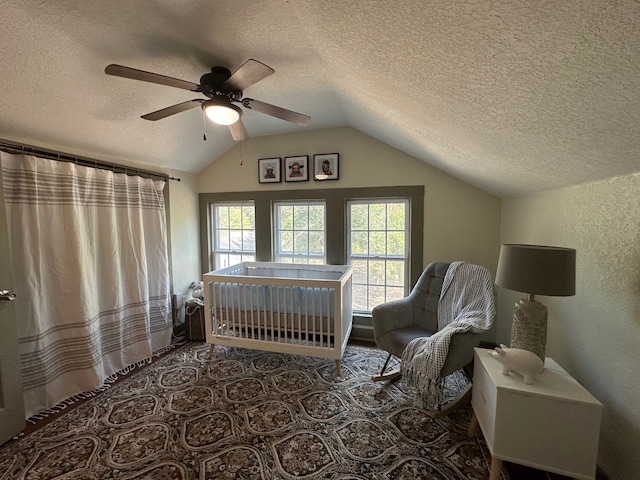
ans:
(213, 84)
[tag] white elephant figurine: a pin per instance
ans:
(522, 362)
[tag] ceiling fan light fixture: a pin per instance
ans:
(221, 111)
(222, 88)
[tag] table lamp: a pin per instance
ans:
(535, 270)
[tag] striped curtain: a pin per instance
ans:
(90, 269)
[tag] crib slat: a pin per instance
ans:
(313, 317)
(250, 307)
(245, 313)
(290, 319)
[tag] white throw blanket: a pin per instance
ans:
(466, 304)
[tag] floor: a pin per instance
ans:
(516, 472)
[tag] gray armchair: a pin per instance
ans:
(398, 322)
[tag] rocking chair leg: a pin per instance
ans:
(392, 375)
(446, 409)
(384, 367)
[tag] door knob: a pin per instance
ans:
(7, 295)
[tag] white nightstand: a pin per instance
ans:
(553, 424)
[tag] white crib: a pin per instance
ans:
(280, 307)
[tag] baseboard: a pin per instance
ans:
(362, 330)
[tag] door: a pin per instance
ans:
(11, 400)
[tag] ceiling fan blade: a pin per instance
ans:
(238, 132)
(135, 74)
(251, 71)
(172, 110)
(279, 112)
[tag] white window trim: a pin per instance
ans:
(214, 247)
(277, 255)
(407, 245)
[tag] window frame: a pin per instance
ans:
(405, 256)
(277, 232)
(214, 247)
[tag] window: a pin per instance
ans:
(299, 232)
(378, 243)
(331, 246)
(234, 233)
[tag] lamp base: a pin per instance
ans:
(529, 328)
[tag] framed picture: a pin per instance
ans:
(296, 169)
(269, 170)
(325, 166)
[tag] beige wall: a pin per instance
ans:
(594, 335)
(184, 248)
(462, 222)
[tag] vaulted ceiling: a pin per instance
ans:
(512, 96)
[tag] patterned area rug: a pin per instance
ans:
(246, 414)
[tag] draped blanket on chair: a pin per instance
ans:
(90, 270)
(466, 304)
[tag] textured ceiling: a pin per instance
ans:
(514, 97)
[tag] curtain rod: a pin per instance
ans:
(10, 147)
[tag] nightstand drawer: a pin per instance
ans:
(483, 400)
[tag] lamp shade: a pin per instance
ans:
(537, 269)
(221, 111)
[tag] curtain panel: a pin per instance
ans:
(90, 269)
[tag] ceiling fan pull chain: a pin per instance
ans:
(204, 126)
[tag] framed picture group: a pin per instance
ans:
(298, 169)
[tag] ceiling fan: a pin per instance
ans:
(222, 89)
